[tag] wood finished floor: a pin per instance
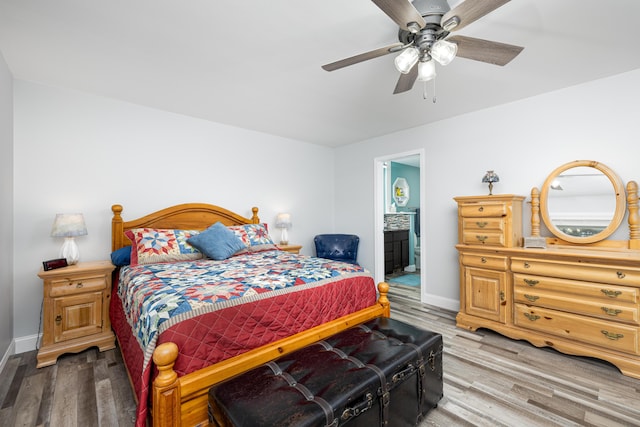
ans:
(489, 380)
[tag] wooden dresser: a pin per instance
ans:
(579, 299)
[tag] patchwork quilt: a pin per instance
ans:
(215, 310)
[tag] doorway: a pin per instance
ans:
(399, 211)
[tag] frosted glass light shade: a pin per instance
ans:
(444, 51)
(407, 59)
(426, 70)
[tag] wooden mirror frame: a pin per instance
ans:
(618, 214)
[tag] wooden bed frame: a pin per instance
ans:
(177, 401)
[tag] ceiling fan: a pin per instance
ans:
(423, 37)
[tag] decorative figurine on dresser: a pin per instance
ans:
(76, 310)
(579, 291)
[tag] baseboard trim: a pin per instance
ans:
(449, 304)
(26, 343)
(10, 352)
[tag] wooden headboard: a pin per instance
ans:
(187, 216)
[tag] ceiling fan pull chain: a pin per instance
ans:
(434, 90)
(424, 91)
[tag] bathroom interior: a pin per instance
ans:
(402, 222)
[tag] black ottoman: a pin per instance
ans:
(381, 373)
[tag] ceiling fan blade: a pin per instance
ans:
(363, 57)
(470, 11)
(485, 50)
(406, 81)
(402, 12)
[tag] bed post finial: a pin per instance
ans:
(255, 219)
(117, 235)
(383, 299)
(166, 387)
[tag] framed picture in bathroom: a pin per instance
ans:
(401, 191)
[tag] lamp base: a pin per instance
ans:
(70, 251)
(284, 237)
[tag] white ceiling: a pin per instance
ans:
(255, 64)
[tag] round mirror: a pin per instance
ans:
(582, 202)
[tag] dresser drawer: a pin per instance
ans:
(609, 335)
(483, 209)
(604, 292)
(479, 237)
(493, 262)
(484, 224)
(608, 310)
(61, 287)
(577, 271)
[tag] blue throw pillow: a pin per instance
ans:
(217, 242)
(121, 257)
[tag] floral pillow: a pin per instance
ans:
(254, 236)
(152, 245)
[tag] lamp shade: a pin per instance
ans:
(426, 70)
(444, 51)
(407, 59)
(283, 220)
(68, 225)
(491, 177)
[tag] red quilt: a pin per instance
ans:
(227, 307)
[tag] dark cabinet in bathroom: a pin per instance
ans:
(396, 250)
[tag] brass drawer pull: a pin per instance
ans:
(531, 298)
(480, 209)
(531, 282)
(501, 295)
(526, 265)
(611, 335)
(58, 319)
(532, 317)
(610, 294)
(483, 260)
(482, 224)
(611, 311)
(620, 274)
(482, 238)
(79, 285)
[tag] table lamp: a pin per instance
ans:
(69, 226)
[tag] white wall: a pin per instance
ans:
(78, 152)
(6, 213)
(523, 142)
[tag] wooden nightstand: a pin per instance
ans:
(76, 310)
(294, 249)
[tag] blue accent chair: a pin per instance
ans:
(337, 247)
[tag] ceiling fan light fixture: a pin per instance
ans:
(407, 59)
(426, 70)
(443, 51)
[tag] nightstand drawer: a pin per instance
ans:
(77, 285)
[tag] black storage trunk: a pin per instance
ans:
(381, 373)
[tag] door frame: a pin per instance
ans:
(379, 211)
